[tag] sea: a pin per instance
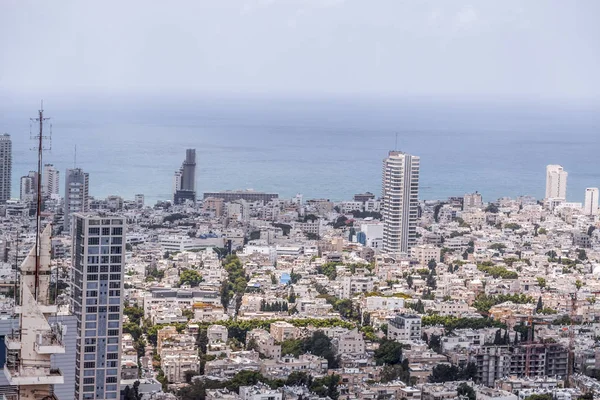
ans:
(320, 147)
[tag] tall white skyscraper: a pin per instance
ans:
(77, 187)
(98, 263)
(50, 181)
(556, 182)
(400, 201)
(5, 167)
(590, 207)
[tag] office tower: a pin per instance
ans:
(185, 179)
(97, 295)
(29, 349)
(590, 206)
(77, 194)
(556, 182)
(28, 187)
(50, 181)
(400, 201)
(5, 167)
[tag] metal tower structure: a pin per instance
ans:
(29, 349)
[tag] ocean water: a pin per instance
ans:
(326, 147)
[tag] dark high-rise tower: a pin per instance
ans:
(185, 179)
(5, 167)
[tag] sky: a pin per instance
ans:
(504, 48)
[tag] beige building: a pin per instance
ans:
(425, 252)
(282, 330)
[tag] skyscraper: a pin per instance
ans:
(5, 167)
(556, 182)
(400, 201)
(77, 194)
(50, 181)
(98, 260)
(590, 206)
(185, 179)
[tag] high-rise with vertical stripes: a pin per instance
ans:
(98, 260)
(400, 201)
(5, 167)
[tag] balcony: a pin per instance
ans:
(33, 376)
(44, 308)
(13, 342)
(48, 343)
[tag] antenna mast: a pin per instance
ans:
(39, 138)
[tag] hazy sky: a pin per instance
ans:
(543, 48)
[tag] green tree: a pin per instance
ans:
(388, 353)
(540, 305)
(464, 389)
(541, 282)
(190, 277)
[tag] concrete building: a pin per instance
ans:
(28, 187)
(50, 181)
(425, 253)
(185, 179)
(556, 182)
(400, 201)
(77, 193)
(98, 260)
(282, 330)
(404, 328)
(373, 234)
(247, 195)
(590, 207)
(472, 201)
(350, 343)
(139, 200)
(5, 167)
(29, 350)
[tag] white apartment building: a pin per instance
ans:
(350, 343)
(404, 328)
(590, 206)
(265, 343)
(77, 187)
(373, 232)
(50, 181)
(376, 303)
(400, 201)
(353, 284)
(556, 182)
(259, 392)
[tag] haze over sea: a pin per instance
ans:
(326, 147)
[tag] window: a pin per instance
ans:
(90, 349)
(92, 285)
(91, 309)
(117, 231)
(113, 317)
(115, 277)
(113, 332)
(93, 241)
(114, 285)
(114, 308)
(116, 240)
(94, 231)
(114, 324)
(111, 379)
(90, 325)
(90, 317)
(115, 259)
(105, 231)
(93, 250)
(87, 381)
(115, 268)
(92, 277)
(89, 364)
(112, 356)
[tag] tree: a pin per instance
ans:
(189, 374)
(409, 281)
(388, 353)
(327, 386)
(431, 264)
(498, 337)
(190, 277)
(578, 284)
(581, 255)
(540, 305)
(541, 282)
(292, 296)
(464, 389)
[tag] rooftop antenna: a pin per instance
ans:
(396, 144)
(39, 138)
(75, 158)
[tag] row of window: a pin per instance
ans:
(104, 277)
(105, 231)
(105, 249)
(102, 268)
(105, 240)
